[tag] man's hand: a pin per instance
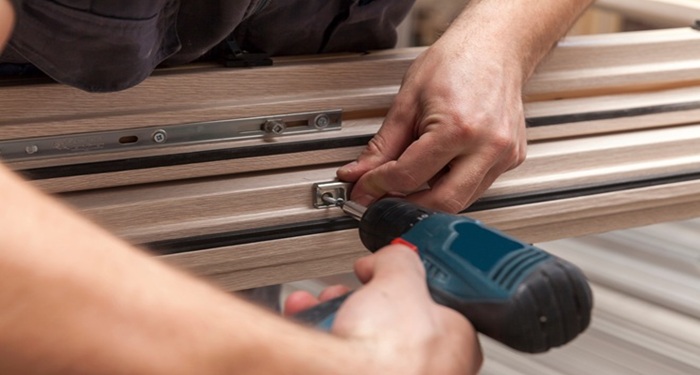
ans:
(85, 302)
(394, 320)
(457, 122)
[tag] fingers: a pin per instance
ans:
(302, 300)
(394, 314)
(459, 163)
(389, 142)
(333, 292)
(465, 182)
(390, 261)
(473, 163)
(393, 262)
(394, 284)
(422, 160)
(299, 301)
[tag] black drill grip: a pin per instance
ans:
(550, 308)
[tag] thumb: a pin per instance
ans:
(394, 136)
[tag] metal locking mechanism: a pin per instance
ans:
(265, 127)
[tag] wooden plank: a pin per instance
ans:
(579, 66)
(549, 120)
(651, 263)
(626, 336)
(613, 63)
(318, 255)
(645, 318)
(613, 144)
(147, 213)
(656, 13)
(597, 21)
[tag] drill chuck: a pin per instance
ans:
(387, 220)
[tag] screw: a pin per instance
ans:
(159, 136)
(329, 199)
(321, 121)
(274, 126)
(31, 149)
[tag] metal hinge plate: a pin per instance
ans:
(173, 135)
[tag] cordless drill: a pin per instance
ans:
(511, 291)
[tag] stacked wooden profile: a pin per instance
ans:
(655, 13)
(646, 318)
(614, 134)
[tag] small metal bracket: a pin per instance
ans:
(334, 189)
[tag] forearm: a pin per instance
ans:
(517, 33)
(6, 21)
(77, 301)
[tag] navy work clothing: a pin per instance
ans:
(110, 45)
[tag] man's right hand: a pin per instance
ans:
(395, 321)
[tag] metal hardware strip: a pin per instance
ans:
(172, 135)
(25, 149)
(138, 163)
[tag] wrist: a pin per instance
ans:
(516, 35)
(473, 41)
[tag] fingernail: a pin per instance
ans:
(347, 168)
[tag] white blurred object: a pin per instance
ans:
(646, 320)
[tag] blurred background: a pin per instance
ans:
(430, 18)
(646, 280)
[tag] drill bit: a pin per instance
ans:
(351, 208)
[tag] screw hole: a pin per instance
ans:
(128, 139)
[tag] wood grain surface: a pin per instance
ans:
(646, 313)
(613, 143)
(579, 66)
(657, 13)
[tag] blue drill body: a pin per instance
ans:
(470, 261)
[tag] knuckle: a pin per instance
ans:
(455, 205)
(376, 145)
(455, 125)
(463, 130)
(520, 156)
(451, 205)
(507, 147)
(504, 141)
(406, 179)
(516, 155)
